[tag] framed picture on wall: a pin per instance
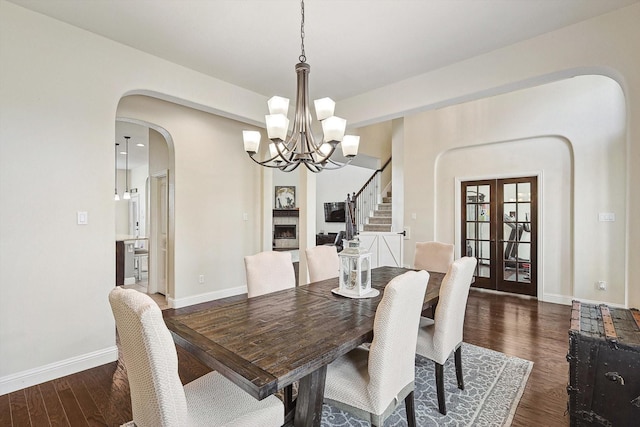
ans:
(285, 197)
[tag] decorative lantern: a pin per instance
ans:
(355, 270)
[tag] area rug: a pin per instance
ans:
(493, 382)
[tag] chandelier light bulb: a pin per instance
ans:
(324, 108)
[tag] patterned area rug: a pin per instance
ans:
(493, 382)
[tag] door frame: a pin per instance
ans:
(539, 209)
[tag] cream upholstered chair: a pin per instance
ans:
(157, 395)
(370, 383)
(433, 256)
(322, 262)
(269, 272)
(439, 337)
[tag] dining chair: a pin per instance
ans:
(371, 383)
(322, 262)
(433, 256)
(439, 337)
(158, 398)
(268, 272)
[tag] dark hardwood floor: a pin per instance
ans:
(516, 326)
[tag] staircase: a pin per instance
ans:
(381, 218)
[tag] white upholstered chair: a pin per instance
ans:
(322, 262)
(433, 256)
(439, 337)
(370, 383)
(268, 272)
(157, 395)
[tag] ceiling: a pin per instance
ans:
(353, 46)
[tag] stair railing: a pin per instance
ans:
(365, 201)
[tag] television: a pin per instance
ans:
(334, 212)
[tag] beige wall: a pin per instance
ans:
(215, 186)
(606, 45)
(569, 133)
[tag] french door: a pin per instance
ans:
(499, 228)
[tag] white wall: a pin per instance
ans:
(571, 133)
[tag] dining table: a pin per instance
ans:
(266, 343)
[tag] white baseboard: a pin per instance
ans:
(206, 297)
(557, 299)
(31, 377)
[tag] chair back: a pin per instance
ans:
(268, 272)
(322, 262)
(395, 334)
(452, 304)
(433, 256)
(157, 394)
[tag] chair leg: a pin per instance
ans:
(289, 405)
(411, 410)
(442, 406)
(458, 360)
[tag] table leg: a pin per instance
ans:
(309, 401)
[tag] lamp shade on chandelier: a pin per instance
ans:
(287, 151)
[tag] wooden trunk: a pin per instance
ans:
(604, 366)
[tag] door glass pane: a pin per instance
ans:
(471, 230)
(484, 267)
(509, 231)
(524, 212)
(483, 230)
(483, 193)
(484, 249)
(471, 248)
(524, 251)
(471, 212)
(484, 212)
(524, 192)
(509, 191)
(510, 211)
(472, 193)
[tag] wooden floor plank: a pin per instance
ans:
(5, 410)
(19, 409)
(85, 399)
(55, 411)
(37, 410)
(69, 403)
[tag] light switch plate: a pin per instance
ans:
(83, 218)
(606, 217)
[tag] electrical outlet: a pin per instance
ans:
(602, 285)
(201, 278)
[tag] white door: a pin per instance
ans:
(386, 248)
(159, 235)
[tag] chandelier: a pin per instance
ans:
(300, 147)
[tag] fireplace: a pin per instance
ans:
(285, 229)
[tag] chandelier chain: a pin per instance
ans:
(303, 56)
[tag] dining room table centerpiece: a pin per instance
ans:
(355, 270)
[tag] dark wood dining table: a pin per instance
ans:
(266, 343)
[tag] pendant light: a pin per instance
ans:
(116, 197)
(287, 152)
(126, 195)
